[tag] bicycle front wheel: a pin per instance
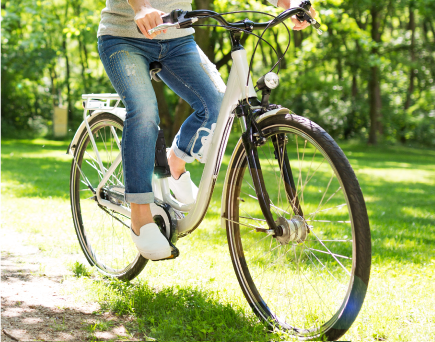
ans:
(103, 234)
(312, 279)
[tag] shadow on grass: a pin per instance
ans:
(402, 219)
(35, 177)
(181, 313)
(401, 213)
(30, 313)
(386, 157)
(33, 146)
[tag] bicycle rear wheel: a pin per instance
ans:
(310, 281)
(103, 234)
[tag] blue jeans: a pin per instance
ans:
(188, 72)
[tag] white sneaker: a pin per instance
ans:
(151, 243)
(185, 191)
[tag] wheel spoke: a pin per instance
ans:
(244, 224)
(328, 221)
(301, 277)
(104, 233)
(332, 254)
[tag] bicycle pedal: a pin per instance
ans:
(175, 252)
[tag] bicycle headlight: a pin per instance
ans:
(271, 80)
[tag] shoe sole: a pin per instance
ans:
(157, 255)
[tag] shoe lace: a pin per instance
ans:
(201, 156)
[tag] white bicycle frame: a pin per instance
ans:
(236, 90)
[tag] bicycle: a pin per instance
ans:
(297, 226)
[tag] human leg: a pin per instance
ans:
(176, 164)
(190, 74)
(128, 69)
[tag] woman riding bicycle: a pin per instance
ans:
(126, 54)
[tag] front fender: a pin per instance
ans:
(119, 112)
(277, 111)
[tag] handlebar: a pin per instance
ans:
(185, 19)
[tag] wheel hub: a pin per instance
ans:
(295, 229)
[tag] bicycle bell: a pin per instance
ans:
(270, 81)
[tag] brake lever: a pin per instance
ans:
(175, 18)
(313, 22)
(310, 20)
(162, 27)
(181, 24)
(306, 16)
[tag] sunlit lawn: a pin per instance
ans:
(196, 296)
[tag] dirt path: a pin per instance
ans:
(32, 304)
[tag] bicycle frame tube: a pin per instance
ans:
(236, 90)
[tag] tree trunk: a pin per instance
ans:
(263, 54)
(83, 65)
(203, 34)
(279, 49)
(67, 65)
(412, 51)
(351, 117)
(339, 67)
(54, 91)
(375, 104)
(297, 38)
(411, 26)
(374, 82)
(67, 79)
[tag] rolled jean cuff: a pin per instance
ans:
(182, 155)
(143, 198)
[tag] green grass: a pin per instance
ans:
(80, 270)
(196, 296)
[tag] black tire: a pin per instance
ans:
(103, 234)
(311, 287)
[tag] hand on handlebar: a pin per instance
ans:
(298, 24)
(146, 18)
(301, 25)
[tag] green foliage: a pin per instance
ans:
(49, 57)
(80, 270)
(179, 313)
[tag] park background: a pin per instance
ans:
(368, 80)
(370, 76)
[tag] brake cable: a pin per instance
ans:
(260, 37)
(245, 31)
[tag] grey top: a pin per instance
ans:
(117, 18)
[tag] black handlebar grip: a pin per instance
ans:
(167, 19)
(306, 4)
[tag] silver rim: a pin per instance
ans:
(303, 285)
(104, 234)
